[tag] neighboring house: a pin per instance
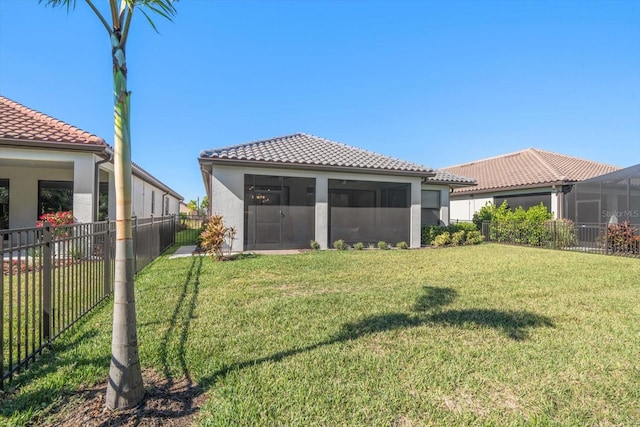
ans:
(47, 165)
(610, 198)
(525, 178)
(285, 192)
(184, 209)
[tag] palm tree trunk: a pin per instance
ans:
(125, 387)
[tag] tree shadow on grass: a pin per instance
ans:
(427, 310)
(166, 400)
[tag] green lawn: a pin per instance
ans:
(477, 335)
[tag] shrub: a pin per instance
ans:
(402, 245)
(442, 239)
(57, 219)
(457, 238)
(461, 226)
(474, 238)
(430, 232)
(214, 237)
(383, 245)
(622, 238)
(340, 245)
(358, 246)
(564, 233)
(314, 245)
(485, 213)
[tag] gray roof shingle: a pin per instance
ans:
(450, 178)
(302, 149)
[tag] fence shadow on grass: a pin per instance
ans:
(427, 310)
(179, 396)
(49, 362)
(180, 320)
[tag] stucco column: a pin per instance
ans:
(322, 211)
(83, 188)
(445, 215)
(556, 208)
(416, 211)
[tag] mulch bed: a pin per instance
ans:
(167, 402)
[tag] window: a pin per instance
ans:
(55, 196)
(525, 201)
(4, 204)
(153, 202)
(430, 213)
(103, 201)
(166, 206)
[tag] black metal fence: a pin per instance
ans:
(188, 228)
(610, 239)
(53, 276)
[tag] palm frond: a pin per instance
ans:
(69, 4)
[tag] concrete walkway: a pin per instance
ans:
(184, 251)
(187, 251)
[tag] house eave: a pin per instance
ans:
(305, 166)
(452, 184)
(540, 185)
(49, 145)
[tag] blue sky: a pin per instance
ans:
(434, 82)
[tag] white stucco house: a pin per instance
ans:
(47, 165)
(524, 178)
(284, 192)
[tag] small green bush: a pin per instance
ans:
(358, 246)
(565, 235)
(442, 239)
(340, 245)
(430, 232)
(314, 245)
(474, 238)
(383, 245)
(462, 226)
(402, 245)
(485, 213)
(457, 238)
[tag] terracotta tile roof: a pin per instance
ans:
(20, 123)
(528, 168)
(301, 149)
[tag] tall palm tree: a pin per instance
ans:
(124, 386)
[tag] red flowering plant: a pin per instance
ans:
(57, 219)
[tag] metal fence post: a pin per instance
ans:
(134, 235)
(173, 229)
(46, 282)
(2, 314)
(106, 250)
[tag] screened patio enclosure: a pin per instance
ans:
(606, 199)
(279, 212)
(369, 211)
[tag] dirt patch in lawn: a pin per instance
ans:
(167, 402)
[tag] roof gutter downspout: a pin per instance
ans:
(206, 177)
(162, 208)
(96, 184)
